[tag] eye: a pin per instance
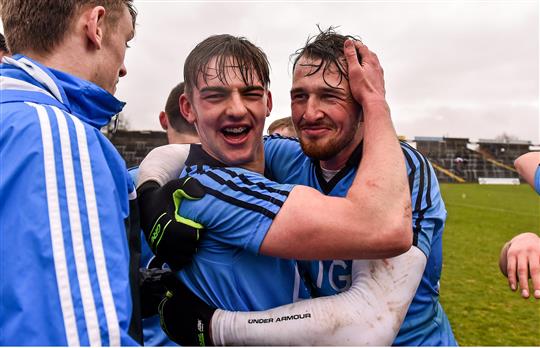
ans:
(299, 97)
(213, 96)
(253, 95)
(330, 97)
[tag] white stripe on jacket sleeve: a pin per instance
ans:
(55, 223)
(95, 235)
(87, 296)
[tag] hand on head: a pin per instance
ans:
(366, 76)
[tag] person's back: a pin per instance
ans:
(64, 187)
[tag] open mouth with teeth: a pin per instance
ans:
(235, 133)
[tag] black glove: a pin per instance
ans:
(184, 317)
(152, 289)
(170, 236)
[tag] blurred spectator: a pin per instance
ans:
(179, 131)
(282, 126)
(458, 162)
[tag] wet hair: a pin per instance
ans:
(174, 115)
(40, 26)
(229, 50)
(326, 46)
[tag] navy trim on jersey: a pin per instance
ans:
(198, 157)
(239, 203)
(411, 165)
(279, 136)
(260, 185)
(418, 206)
(244, 190)
(352, 163)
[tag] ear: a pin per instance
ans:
(95, 21)
(163, 120)
(187, 110)
(269, 103)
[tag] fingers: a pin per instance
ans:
(350, 53)
(523, 275)
(366, 78)
(511, 268)
(367, 55)
(523, 257)
(356, 53)
(534, 269)
(503, 262)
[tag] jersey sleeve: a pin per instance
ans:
(428, 210)
(239, 206)
(379, 294)
(282, 157)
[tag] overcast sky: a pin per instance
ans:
(452, 68)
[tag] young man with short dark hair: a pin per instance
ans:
(65, 189)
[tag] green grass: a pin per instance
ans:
(481, 308)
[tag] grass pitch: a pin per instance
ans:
(481, 307)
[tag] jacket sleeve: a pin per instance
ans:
(64, 201)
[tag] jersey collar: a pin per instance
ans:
(197, 156)
(352, 164)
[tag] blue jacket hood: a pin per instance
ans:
(89, 102)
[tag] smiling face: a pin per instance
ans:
(324, 113)
(229, 114)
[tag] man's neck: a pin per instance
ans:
(256, 165)
(340, 159)
(175, 138)
(66, 57)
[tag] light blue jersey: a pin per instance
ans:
(237, 211)
(537, 180)
(425, 322)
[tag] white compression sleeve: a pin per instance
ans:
(163, 164)
(370, 313)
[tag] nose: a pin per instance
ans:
(313, 111)
(123, 71)
(236, 106)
